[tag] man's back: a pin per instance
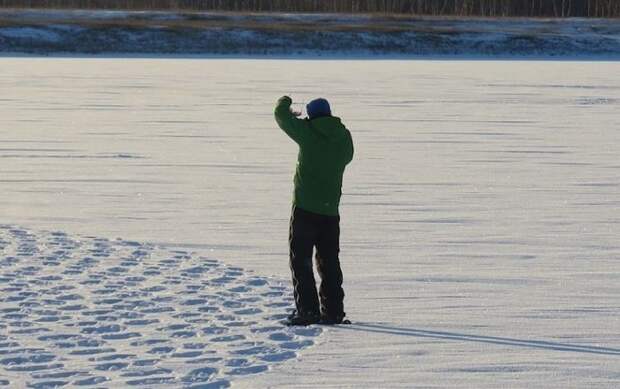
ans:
(325, 148)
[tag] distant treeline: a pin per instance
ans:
(531, 8)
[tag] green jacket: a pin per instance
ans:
(325, 148)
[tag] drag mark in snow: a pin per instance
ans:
(86, 311)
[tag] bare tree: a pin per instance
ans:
(546, 8)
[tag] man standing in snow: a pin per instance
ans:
(325, 148)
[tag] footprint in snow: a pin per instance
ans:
(83, 311)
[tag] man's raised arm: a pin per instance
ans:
(296, 129)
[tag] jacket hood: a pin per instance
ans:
(330, 127)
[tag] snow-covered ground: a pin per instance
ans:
(87, 311)
(479, 223)
(328, 35)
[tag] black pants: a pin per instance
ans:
(309, 230)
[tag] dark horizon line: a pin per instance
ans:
(315, 57)
(461, 8)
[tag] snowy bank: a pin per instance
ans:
(325, 35)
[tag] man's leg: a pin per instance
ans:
(328, 264)
(302, 237)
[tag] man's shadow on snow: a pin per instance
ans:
(539, 344)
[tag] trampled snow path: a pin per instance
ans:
(83, 311)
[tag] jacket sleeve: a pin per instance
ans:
(296, 129)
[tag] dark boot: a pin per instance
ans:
(338, 319)
(305, 319)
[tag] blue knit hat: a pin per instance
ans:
(317, 108)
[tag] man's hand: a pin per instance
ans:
(285, 100)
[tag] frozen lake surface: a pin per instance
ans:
(479, 218)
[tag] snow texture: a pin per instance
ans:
(27, 33)
(87, 311)
(324, 35)
(479, 219)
